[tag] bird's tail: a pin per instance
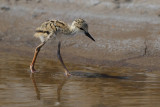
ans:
(41, 32)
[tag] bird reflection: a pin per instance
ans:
(75, 74)
(58, 89)
(35, 86)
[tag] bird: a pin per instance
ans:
(54, 28)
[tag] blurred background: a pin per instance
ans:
(123, 29)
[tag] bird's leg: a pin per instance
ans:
(38, 48)
(67, 73)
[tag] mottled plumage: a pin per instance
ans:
(52, 28)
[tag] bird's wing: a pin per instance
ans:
(61, 27)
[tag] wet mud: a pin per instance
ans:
(88, 86)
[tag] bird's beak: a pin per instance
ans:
(88, 35)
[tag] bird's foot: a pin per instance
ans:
(67, 73)
(32, 69)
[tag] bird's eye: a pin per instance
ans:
(81, 28)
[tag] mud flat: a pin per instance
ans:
(127, 32)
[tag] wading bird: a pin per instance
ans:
(54, 28)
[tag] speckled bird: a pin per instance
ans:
(53, 28)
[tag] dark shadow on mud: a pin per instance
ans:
(96, 75)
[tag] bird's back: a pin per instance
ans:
(52, 26)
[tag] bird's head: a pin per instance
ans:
(82, 26)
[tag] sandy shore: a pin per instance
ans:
(126, 31)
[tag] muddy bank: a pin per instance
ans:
(126, 31)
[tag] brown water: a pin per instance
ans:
(89, 86)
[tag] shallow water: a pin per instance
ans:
(89, 86)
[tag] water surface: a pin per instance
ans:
(89, 86)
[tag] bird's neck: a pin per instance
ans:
(73, 30)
